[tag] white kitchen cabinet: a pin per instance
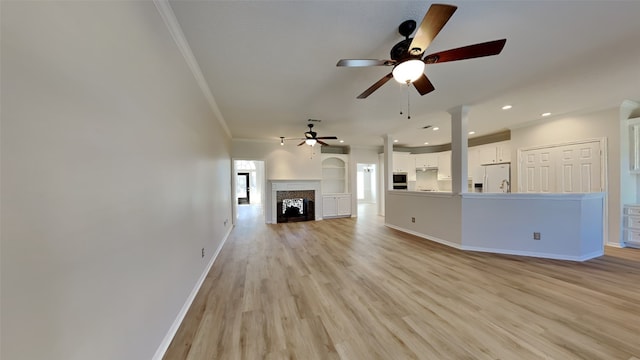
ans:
(403, 162)
(336, 205)
(495, 153)
(634, 145)
(426, 161)
(444, 165)
(631, 225)
(334, 173)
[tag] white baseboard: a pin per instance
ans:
(428, 237)
(586, 257)
(616, 245)
(164, 345)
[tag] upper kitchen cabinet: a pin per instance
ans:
(403, 162)
(634, 145)
(444, 165)
(495, 153)
(426, 161)
(335, 173)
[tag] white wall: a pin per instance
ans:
(438, 216)
(288, 162)
(598, 124)
(114, 175)
(570, 225)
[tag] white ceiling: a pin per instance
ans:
(271, 65)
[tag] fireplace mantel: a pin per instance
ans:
(293, 185)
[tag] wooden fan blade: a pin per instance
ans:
(365, 62)
(302, 143)
(423, 85)
(375, 86)
(434, 20)
(327, 137)
(322, 143)
(467, 52)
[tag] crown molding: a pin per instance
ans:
(169, 17)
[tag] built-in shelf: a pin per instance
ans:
(334, 173)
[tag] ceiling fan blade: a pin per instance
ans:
(467, 52)
(327, 138)
(365, 62)
(302, 143)
(434, 20)
(322, 143)
(423, 85)
(375, 86)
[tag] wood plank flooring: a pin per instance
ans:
(355, 289)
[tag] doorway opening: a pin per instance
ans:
(366, 184)
(248, 185)
(243, 190)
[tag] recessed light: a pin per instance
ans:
(546, 114)
(471, 132)
(436, 128)
(426, 143)
(507, 107)
(396, 140)
(341, 141)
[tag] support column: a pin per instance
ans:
(459, 149)
(388, 161)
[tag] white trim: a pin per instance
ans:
(164, 345)
(535, 196)
(586, 257)
(169, 17)
(615, 245)
(427, 237)
(500, 251)
(576, 142)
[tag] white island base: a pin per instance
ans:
(570, 226)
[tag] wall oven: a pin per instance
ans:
(400, 181)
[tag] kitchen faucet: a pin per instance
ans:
(505, 186)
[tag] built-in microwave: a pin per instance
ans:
(400, 178)
(400, 181)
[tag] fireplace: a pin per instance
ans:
(293, 190)
(295, 205)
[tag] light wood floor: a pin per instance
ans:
(354, 289)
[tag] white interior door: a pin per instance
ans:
(538, 170)
(580, 168)
(566, 168)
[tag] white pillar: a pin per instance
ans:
(388, 162)
(459, 149)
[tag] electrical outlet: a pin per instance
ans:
(202, 252)
(413, 219)
(536, 236)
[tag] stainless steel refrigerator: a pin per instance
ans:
(497, 178)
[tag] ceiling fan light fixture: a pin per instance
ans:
(408, 71)
(310, 142)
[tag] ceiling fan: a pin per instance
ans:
(406, 56)
(311, 138)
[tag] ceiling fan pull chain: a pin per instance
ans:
(408, 103)
(401, 100)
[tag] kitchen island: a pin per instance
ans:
(556, 226)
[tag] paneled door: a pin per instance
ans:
(580, 168)
(564, 168)
(538, 172)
